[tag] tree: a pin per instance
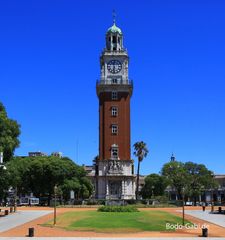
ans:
(155, 184)
(39, 175)
(188, 178)
(4, 183)
(9, 133)
(176, 175)
(199, 178)
(140, 151)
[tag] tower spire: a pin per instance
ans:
(114, 16)
(172, 159)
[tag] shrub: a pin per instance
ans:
(95, 202)
(118, 209)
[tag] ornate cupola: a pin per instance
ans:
(114, 38)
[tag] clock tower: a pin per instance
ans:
(115, 178)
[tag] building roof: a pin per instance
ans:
(114, 29)
(219, 176)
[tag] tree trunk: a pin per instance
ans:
(195, 201)
(137, 187)
(49, 199)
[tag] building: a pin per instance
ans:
(37, 154)
(42, 154)
(114, 169)
(57, 154)
(218, 194)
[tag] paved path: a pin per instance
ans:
(19, 218)
(89, 238)
(218, 219)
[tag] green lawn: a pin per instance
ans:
(116, 222)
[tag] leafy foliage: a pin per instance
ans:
(176, 175)
(4, 183)
(9, 133)
(188, 178)
(199, 178)
(140, 150)
(40, 174)
(155, 184)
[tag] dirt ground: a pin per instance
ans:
(40, 231)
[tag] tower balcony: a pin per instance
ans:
(106, 86)
(121, 52)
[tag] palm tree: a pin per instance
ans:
(140, 151)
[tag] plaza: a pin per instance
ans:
(39, 216)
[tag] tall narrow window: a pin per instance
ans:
(114, 151)
(114, 129)
(114, 81)
(114, 111)
(114, 39)
(114, 95)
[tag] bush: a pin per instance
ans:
(95, 202)
(118, 209)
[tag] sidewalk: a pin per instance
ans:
(218, 219)
(19, 218)
(89, 238)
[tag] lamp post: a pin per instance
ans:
(153, 187)
(183, 206)
(15, 199)
(212, 202)
(2, 166)
(1, 158)
(55, 190)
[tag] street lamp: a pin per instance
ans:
(55, 191)
(183, 205)
(2, 166)
(15, 199)
(212, 201)
(153, 187)
(1, 161)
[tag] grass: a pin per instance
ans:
(109, 222)
(118, 209)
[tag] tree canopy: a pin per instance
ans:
(188, 178)
(199, 178)
(155, 184)
(176, 175)
(9, 133)
(39, 175)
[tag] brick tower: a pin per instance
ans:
(114, 168)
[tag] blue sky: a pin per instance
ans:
(49, 65)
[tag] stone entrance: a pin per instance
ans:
(115, 189)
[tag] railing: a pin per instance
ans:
(105, 50)
(103, 82)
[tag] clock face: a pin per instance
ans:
(114, 66)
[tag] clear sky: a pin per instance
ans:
(49, 64)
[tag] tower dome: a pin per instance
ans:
(114, 29)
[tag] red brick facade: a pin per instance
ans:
(122, 120)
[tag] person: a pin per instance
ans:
(203, 206)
